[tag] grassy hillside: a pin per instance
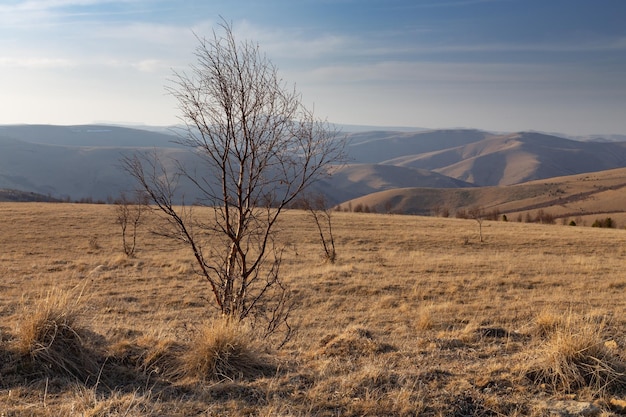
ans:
(582, 197)
(516, 158)
(416, 317)
(380, 146)
(355, 180)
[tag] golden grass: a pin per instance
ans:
(223, 349)
(51, 338)
(416, 317)
(576, 356)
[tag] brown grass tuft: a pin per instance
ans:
(425, 320)
(547, 322)
(576, 357)
(224, 349)
(50, 335)
(355, 341)
(153, 355)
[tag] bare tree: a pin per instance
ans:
(318, 208)
(130, 213)
(259, 148)
(478, 214)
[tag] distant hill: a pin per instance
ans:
(89, 136)
(410, 171)
(516, 158)
(380, 146)
(18, 196)
(355, 180)
(589, 195)
(70, 172)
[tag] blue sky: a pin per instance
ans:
(505, 65)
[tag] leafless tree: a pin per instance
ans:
(259, 148)
(130, 213)
(478, 214)
(319, 210)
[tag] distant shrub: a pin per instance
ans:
(604, 223)
(461, 214)
(572, 223)
(492, 215)
(129, 215)
(441, 211)
(544, 217)
(504, 218)
(93, 243)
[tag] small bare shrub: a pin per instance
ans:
(51, 337)
(129, 214)
(224, 349)
(478, 214)
(93, 243)
(321, 213)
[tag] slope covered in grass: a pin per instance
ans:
(416, 317)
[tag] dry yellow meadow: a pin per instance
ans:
(416, 317)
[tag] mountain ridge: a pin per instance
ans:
(78, 162)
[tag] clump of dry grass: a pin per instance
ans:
(576, 357)
(223, 349)
(547, 322)
(355, 341)
(51, 336)
(148, 355)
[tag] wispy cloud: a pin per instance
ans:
(47, 5)
(37, 13)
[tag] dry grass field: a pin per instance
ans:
(416, 317)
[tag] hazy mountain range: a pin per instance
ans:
(403, 171)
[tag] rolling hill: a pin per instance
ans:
(409, 172)
(379, 146)
(355, 180)
(516, 158)
(90, 136)
(584, 196)
(70, 172)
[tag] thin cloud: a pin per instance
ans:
(44, 5)
(37, 13)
